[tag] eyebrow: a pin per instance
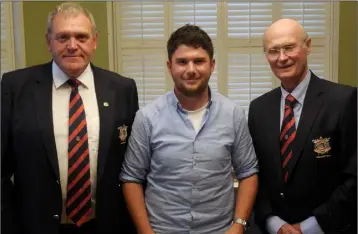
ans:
(73, 33)
(282, 46)
(194, 59)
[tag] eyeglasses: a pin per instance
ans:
(289, 50)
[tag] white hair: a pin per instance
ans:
(70, 9)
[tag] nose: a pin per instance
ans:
(282, 56)
(191, 68)
(72, 44)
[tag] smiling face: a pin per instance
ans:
(72, 43)
(190, 69)
(292, 65)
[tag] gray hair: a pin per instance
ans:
(70, 9)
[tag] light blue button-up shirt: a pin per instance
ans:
(189, 180)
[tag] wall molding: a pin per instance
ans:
(18, 34)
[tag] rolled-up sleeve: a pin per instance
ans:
(138, 154)
(243, 153)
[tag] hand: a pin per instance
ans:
(297, 227)
(150, 232)
(288, 229)
(236, 229)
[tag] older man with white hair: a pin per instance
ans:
(64, 127)
(305, 137)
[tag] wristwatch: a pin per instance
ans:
(243, 222)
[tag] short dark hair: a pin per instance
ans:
(190, 35)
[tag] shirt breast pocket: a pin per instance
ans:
(217, 143)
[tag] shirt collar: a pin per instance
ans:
(59, 77)
(300, 91)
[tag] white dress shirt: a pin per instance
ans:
(60, 109)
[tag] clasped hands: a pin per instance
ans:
(290, 229)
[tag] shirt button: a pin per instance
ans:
(282, 195)
(56, 217)
(57, 181)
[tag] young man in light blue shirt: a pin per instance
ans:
(184, 145)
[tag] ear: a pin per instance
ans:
(48, 41)
(169, 66)
(213, 62)
(308, 45)
(95, 38)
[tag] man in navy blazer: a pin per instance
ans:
(35, 119)
(305, 137)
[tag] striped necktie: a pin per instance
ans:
(288, 134)
(78, 204)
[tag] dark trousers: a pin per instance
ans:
(86, 228)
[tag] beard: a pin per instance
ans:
(193, 91)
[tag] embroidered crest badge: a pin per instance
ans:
(123, 133)
(321, 147)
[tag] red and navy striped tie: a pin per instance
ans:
(288, 134)
(78, 204)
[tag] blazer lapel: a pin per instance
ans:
(105, 99)
(43, 103)
(311, 106)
